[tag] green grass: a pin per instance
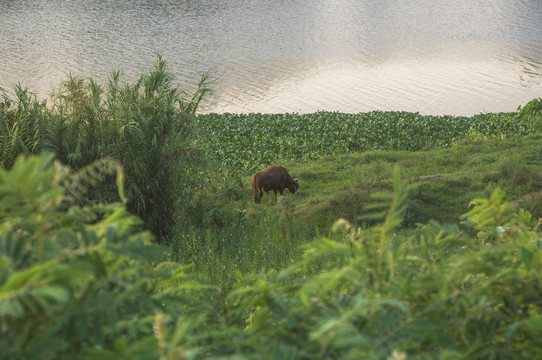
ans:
(88, 285)
(434, 256)
(254, 237)
(340, 186)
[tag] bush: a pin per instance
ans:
(147, 127)
(73, 280)
(77, 282)
(439, 294)
(23, 125)
(532, 111)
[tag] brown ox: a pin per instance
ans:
(272, 178)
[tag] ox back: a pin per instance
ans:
(274, 178)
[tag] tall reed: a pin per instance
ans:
(146, 126)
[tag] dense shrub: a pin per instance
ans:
(532, 111)
(24, 125)
(73, 280)
(77, 282)
(146, 126)
(439, 294)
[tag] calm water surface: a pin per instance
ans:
(433, 56)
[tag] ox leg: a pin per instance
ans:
(259, 196)
(258, 192)
(255, 196)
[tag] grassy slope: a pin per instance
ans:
(271, 234)
(448, 179)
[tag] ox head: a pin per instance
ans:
(294, 185)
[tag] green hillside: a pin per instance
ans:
(128, 230)
(447, 179)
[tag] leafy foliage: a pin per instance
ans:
(246, 141)
(72, 278)
(376, 295)
(533, 112)
(147, 127)
(77, 282)
(23, 125)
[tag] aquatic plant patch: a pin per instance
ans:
(248, 141)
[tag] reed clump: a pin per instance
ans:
(146, 126)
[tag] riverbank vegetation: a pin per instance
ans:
(254, 140)
(146, 126)
(128, 230)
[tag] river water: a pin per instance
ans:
(458, 57)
